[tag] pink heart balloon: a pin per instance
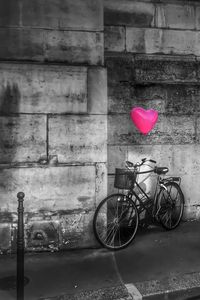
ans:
(144, 119)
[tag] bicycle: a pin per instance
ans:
(117, 217)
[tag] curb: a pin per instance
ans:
(176, 287)
(118, 292)
(168, 288)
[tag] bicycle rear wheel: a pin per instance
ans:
(115, 221)
(170, 205)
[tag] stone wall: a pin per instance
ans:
(53, 121)
(55, 130)
(152, 53)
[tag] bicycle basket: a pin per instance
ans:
(124, 179)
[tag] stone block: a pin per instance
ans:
(120, 68)
(42, 235)
(122, 97)
(129, 13)
(22, 44)
(31, 88)
(165, 70)
(101, 182)
(5, 237)
(68, 14)
(111, 188)
(168, 130)
(63, 188)
(97, 91)
(191, 212)
(198, 66)
(197, 17)
(78, 138)
(166, 98)
(114, 38)
(198, 129)
(10, 13)
(190, 189)
(33, 44)
(124, 70)
(175, 16)
(74, 47)
(23, 138)
(180, 160)
(117, 155)
(152, 41)
(77, 231)
(182, 99)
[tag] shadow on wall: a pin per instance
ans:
(9, 123)
(9, 107)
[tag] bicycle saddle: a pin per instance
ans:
(161, 170)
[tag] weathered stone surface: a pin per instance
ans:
(168, 130)
(182, 99)
(31, 88)
(74, 47)
(126, 70)
(77, 231)
(114, 38)
(10, 13)
(175, 16)
(198, 17)
(191, 212)
(166, 98)
(22, 138)
(69, 188)
(117, 155)
(22, 44)
(198, 68)
(68, 14)
(128, 13)
(5, 237)
(152, 41)
(111, 188)
(190, 189)
(120, 68)
(101, 182)
(78, 138)
(97, 91)
(122, 97)
(42, 235)
(198, 129)
(52, 45)
(181, 160)
(165, 70)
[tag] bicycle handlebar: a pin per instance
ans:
(131, 165)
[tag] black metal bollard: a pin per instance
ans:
(20, 247)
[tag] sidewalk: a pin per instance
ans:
(158, 264)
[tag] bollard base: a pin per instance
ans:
(10, 283)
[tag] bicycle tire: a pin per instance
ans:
(120, 230)
(166, 205)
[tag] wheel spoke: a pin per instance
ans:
(112, 221)
(170, 206)
(112, 236)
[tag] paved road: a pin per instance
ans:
(157, 259)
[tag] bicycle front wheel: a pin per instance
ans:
(115, 221)
(170, 205)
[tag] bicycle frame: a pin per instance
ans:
(144, 205)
